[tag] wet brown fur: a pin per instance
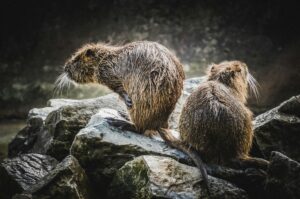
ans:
(215, 120)
(147, 71)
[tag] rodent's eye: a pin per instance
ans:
(89, 53)
(212, 68)
(77, 58)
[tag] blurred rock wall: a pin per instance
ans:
(38, 36)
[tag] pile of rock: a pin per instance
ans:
(68, 150)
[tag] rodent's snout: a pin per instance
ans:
(67, 67)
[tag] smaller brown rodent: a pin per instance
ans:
(215, 120)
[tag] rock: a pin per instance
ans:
(26, 138)
(250, 179)
(162, 177)
(51, 130)
(278, 129)
(58, 125)
(67, 180)
(22, 172)
(283, 179)
(102, 149)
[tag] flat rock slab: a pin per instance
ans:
(162, 177)
(20, 173)
(283, 177)
(51, 130)
(66, 180)
(102, 149)
(279, 129)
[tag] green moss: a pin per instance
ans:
(133, 180)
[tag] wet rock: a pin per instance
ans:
(26, 138)
(283, 177)
(58, 125)
(162, 177)
(278, 129)
(51, 130)
(102, 149)
(249, 179)
(67, 180)
(63, 124)
(20, 173)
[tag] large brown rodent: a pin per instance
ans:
(215, 120)
(146, 75)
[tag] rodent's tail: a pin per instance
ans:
(178, 144)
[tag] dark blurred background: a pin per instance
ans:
(38, 36)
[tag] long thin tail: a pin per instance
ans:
(178, 144)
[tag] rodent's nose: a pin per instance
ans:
(66, 67)
(228, 69)
(237, 67)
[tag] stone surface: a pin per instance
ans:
(20, 173)
(283, 177)
(162, 177)
(278, 129)
(80, 127)
(58, 124)
(51, 130)
(66, 180)
(102, 149)
(251, 180)
(26, 138)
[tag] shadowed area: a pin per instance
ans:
(38, 36)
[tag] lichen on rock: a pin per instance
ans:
(162, 177)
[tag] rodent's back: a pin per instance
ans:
(216, 124)
(154, 81)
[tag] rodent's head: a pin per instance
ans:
(234, 74)
(81, 67)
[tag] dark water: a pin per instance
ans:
(8, 129)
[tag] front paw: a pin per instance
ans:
(128, 101)
(121, 124)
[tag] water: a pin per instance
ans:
(8, 130)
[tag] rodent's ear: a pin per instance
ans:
(89, 53)
(212, 68)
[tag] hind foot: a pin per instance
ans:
(121, 124)
(251, 162)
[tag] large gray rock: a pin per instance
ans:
(51, 130)
(278, 129)
(66, 180)
(20, 173)
(250, 179)
(283, 177)
(102, 149)
(162, 177)
(26, 138)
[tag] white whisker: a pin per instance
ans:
(253, 85)
(62, 82)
